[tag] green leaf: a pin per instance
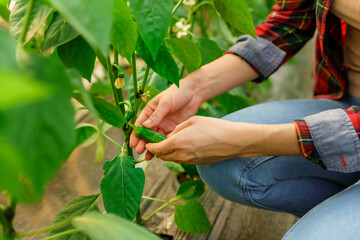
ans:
(153, 20)
(17, 89)
(210, 51)
(76, 207)
(122, 186)
(186, 51)
(107, 111)
(58, 33)
(78, 54)
(91, 18)
(189, 169)
(164, 64)
(157, 81)
(7, 52)
(191, 190)
(100, 147)
(237, 13)
(17, 18)
(111, 227)
(151, 92)
(83, 133)
(191, 218)
(4, 12)
(10, 168)
(42, 132)
(124, 31)
(175, 167)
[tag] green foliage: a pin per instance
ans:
(209, 50)
(76, 207)
(58, 33)
(124, 31)
(111, 227)
(91, 18)
(191, 217)
(122, 186)
(164, 64)
(4, 12)
(83, 133)
(79, 55)
(186, 51)
(153, 20)
(38, 16)
(190, 190)
(236, 12)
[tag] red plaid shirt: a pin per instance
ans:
(289, 26)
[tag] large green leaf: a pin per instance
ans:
(10, 168)
(210, 51)
(122, 186)
(76, 207)
(39, 14)
(153, 20)
(164, 64)
(190, 190)
(42, 132)
(7, 52)
(91, 18)
(18, 89)
(186, 51)
(59, 32)
(111, 227)
(191, 217)
(83, 133)
(124, 31)
(78, 54)
(237, 13)
(4, 12)
(107, 111)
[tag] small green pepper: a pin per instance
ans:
(147, 134)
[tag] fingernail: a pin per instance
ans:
(147, 123)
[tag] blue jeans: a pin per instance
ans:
(291, 184)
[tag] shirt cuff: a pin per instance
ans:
(333, 136)
(263, 56)
(306, 143)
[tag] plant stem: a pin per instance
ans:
(112, 141)
(7, 228)
(158, 200)
(176, 7)
(55, 236)
(202, 4)
(158, 209)
(45, 229)
(138, 98)
(116, 57)
(27, 21)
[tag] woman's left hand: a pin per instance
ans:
(205, 140)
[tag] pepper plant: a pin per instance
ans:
(48, 48)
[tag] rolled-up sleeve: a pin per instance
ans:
(331, 139)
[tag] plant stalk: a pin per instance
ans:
(112, 140)
(56, 236)
(138, 97)
(158, 209)
(45, 229)
(158, 200)
(27, 21)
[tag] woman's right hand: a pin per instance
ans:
(168, 109)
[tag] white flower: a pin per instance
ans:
(181, 28)
(181, 34)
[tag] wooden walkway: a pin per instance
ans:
(81, 176)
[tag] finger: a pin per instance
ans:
(161, 148)
(140, 148)
(134, 140)
(149, 155)
(180, 127)
(146, 112)
(157, 116)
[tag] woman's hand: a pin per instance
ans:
(205, 140)
(168, 109)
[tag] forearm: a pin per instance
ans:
(268, 140)
(219, 76)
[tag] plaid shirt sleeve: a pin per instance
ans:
(288, 27)
(307, 145)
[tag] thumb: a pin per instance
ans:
(156, 117)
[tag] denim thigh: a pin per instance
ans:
(280, 183)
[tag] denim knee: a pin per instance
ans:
(228, 179)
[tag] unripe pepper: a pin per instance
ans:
(147, 134)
